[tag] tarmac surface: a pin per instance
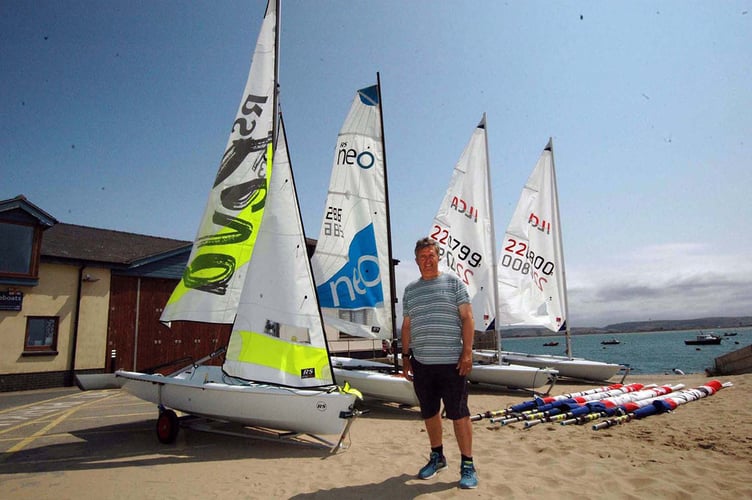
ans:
(64, 429)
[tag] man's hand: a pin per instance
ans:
(407, 370)
(465, 364)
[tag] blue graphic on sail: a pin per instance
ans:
(357, 284)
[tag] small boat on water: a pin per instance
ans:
(704, 339)
(611, 342)
(730, 334)
(551, 344)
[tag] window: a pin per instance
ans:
(41, 334)
(359, 316)
(18, 249)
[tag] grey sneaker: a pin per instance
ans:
(435, 464)
(468, 479)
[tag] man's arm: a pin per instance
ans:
(465, 364)
(406, 370)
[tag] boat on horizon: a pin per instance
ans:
(704, 339)
(612, 341)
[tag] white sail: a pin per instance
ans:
(250, 267)
(278, 336)
(463, 227)
(532, 288)
(351, 263)
(211, 285)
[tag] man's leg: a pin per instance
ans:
(463, 430)
(433, 427)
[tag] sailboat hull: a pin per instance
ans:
(374, 380)
(97, 381)
(578, 368)
(514, 376)
(487, 371)
(202, 392)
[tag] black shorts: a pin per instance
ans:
(436, 383)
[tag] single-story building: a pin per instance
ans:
(77, 299)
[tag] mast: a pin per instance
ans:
(497, 330)
(392, 287)
(560, 251)
(275, 96)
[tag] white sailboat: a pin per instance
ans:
(352, 262)
(249, 267)
(464, 230)
(531, 277)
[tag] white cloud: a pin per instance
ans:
(675, 281)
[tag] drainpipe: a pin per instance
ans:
(74, 337)
(135, 326)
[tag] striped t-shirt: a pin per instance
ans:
(435, 324)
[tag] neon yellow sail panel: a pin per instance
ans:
(463, 227)
(278, 335)
(211, 285)
(532, 288)
(351, 265)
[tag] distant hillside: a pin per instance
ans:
(642, 326)
(684, 324)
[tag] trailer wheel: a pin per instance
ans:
(167, 426)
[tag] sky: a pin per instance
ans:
(116, 114)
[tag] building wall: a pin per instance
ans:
(56, 294)
(91, 352)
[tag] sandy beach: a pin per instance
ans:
(701, 450)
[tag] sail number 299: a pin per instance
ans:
(447, 248)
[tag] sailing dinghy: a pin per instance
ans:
(464, 230)
(352, 262)
(249, 267)
(531, 278)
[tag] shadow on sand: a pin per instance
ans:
(395, 488)
(135, 444)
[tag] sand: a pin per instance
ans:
(701, 450)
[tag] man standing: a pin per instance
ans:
(437, 354)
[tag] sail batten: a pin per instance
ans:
(351, 264)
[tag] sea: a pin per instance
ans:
(645, 353)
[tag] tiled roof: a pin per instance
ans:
(68, 241)
(20, 204)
